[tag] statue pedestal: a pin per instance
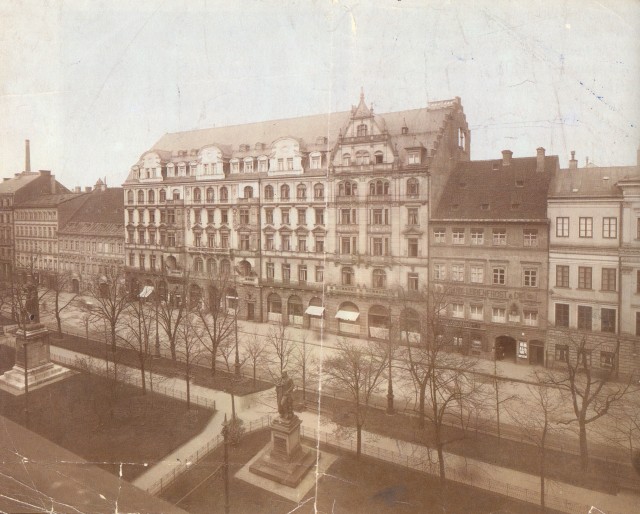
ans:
(40, 370)
(286, 461)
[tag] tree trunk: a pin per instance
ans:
(213, 363)
(113, 337)
(358, 440)
(144, 382)
(441, 468)
(584, 452)
(172, 345)
(188, 391)
(423, 388)
(542, 473)
(254, 374)
(497, 406)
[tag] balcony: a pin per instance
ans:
(300, 284)
(370, 138)
(249, 201)
(347, 199)
(174, 202)
(361, 291)
(379, 198)
(176, 273)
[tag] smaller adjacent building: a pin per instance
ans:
(92, 240)
(594, 264)
(488, 256)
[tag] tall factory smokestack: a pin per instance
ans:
(27, 156)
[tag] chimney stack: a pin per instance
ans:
(77, 189)
(539, 160)
(27, 156)
(506, 157)
(573, 163)
(87, 189)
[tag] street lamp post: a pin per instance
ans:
(390, 409)
(225, 435)
(236, 366)
(26, 385)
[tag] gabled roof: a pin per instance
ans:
(101, 214)
(19, 181)
(487, 190)
(592, 181)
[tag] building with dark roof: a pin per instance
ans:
(321, 218)
(594, 260)
(488, 256)
(92, 240)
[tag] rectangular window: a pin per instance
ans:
(458, 236)
(562, 227)
(412, 246)
(244, 242)
(132, 259)
(477, 236)
(457, 272)
(376, 246)
(458, 341)
(414, 158)
(286, 242)
(289, 163)
(586, 227)
(531, 318)
(171, 240)
(585, 317)
(476, 312)
(319, 244)
(141, 261)
(499, 236)
(345, 245)
(562, 315)
(457, 310)
(319, 216)
(607, 360)
(530, 278)
(608, 279)
(270, 271)
(439, 272)
(244, 216)
(609, 228)
(498, 314)
(285, 216)
(280, 164)
(315, 162)
(224, 216)
(302, 216)
(638, 281)
(302, 243)
(608, 320)
(286, 273)
(584, 277)
(562, 276)
(584, 357)
(268, 213)
(248, 166)
(412, 282)
(562, 353)
(412, 215)
(269, 242)
(319, 273)
(477, 274)
(439, 235)
(224, 240)
(499, 276)
(530, 237)
(302, 273)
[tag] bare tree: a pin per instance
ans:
(356, 370)
(58, 283)
(305, 361)
(277, 339)
(188, 349)
(138, 329)
(592, 392)
(499, 398)
(111, 299)
(255, 354)
(218, 322)
(539, 422)
(172, 311)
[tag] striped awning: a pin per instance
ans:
(347, 315)
(314, 310)
(146, 291)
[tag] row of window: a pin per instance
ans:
(477, 274)
(476, 236)
(498, 314)
(607, 359)
(585, 317)
(31, 231)
(585, 227)
(585, 277)
(39, 215)
(28, 245)
(91, 246)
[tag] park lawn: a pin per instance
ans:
(222, 381)
(564, 467)
(348, 486)
(119, 433)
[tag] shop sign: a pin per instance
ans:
(522, 349)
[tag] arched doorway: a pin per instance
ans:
(315, 311)
(294, 309)
(410, 326)
(379, 322)
(274, 307)
(505, 348)
(75, 286)
(347, 316)
(171, 262)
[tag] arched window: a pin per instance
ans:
(129, 196)
(294, 309)
(346, 159)
(224, 194)
(379, 322)
(198, 266)
(413, 187)
(410, 326)
(197, 195)
(225, 268)
(284, 192)
(151, 196)
(348, 189)
(362, 157)
(244, 268)
(301, 192)
(176, 194)
(248, 192)
(274, 304)
(163, 196)
(232, 298)
(210, 194)
(362, 130)
(379, 187)
(141, 196)
(347, 317)
(318, 192)
(212, 267)
(347, 276)
(268, 193)
(379, 278)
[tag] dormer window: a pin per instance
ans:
(520, 183)
(248, 165)
(346, 159)
(495, 166)
(484, 206)
(378, 157)
(362, 130)
(263, 164)
(235, 167)
(315, 162)
(515, 206)
(289, 163)
(414, 157)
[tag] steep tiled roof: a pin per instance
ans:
(17, 182)
(487, 190)
(592, 181)
(49, 200)
(101, 214)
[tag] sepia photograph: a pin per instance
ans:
(322, 256)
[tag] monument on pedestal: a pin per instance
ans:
(33, 366)
(285, 461)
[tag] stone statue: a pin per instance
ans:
(284, 392)
(31, 305)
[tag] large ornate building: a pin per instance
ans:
(319, 219)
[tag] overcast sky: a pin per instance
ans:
(94, 84)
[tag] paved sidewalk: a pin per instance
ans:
(477, 473)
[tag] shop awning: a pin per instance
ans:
(314, 310)
(347, 315)
(146, 291)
